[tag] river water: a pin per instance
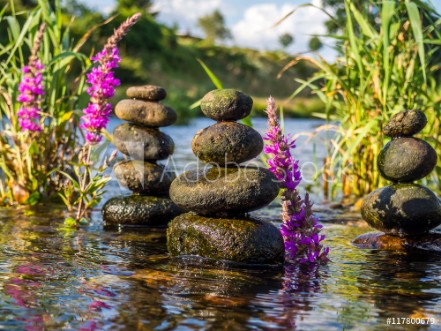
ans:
(98, 279)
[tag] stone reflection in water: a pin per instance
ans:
(222, 297)
(401, 285)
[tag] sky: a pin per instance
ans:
(250, 21)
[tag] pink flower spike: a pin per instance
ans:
(102, 84)
(300, 229)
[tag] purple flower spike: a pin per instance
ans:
(31, 89)
(300, 229)
(102, 84)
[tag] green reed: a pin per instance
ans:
(383, 68)
(29, 162)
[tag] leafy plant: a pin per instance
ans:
(383, 69)
(27, 160)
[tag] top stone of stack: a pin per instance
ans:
(144, 109)
(147, 92)
(226, 105)
(405, 124)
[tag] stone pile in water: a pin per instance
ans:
(141, 140)
(403, 209)
(220, 196)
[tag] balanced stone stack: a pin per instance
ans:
(219, 197)
(141, 140)
(403, 209)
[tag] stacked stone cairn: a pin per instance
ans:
(141, 140)
(403, 211)
(221, 194)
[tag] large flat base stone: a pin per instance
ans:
(242, 240)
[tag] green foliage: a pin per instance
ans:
(84, 187)
(214, 27)
(338, 22)
(315, 44)
(286, 39)
(28, 160)
(386, 67)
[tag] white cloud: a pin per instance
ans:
(255, 28)
(186, 12)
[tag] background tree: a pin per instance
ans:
(286, 39)
(214, 27)
(315, 44)
(138, 4)
(338, 8)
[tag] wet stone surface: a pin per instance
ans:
(142, 143)
(139, 210)
(430, 242)
(402, 209)
(240, 240)
(224, 191)
(406, 160)
(143, 177)
(226, 142)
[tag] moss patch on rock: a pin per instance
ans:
(244, 240)
(226, 105)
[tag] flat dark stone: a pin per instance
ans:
(405, 124)
(406, 159)
(142, 143)
(246, 240)
(379, 240)
(147, 92)
(145, 113)
(224, 191)
(226, 142)
(402, 209)
(139, 210)
(226, 105)
(143, 177)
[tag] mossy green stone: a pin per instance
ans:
(145, 113)
(224, 191)
(226, 105)
(246, 240)
(143, 177)
(142, 143)
(405, 123)
(139, 210)
(402, 209)
(227, 142)
(406, 159)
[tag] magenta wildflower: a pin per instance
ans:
(103, 83)
(300, 228)
(31, 89)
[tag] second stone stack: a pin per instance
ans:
(220, 197)
(141, 140)
(404, 208)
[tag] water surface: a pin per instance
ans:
(99, 279)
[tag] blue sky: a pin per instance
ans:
(250, 21)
